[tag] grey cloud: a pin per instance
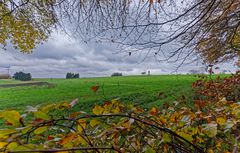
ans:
(62, 54)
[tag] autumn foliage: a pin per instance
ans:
(210, 125)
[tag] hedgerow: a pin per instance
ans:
(211, 125)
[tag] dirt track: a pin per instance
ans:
(24, 84)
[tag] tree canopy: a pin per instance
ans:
(164, 29)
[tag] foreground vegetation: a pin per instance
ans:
(143, 90)
(210, 125)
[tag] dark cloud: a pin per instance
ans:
(61, 55)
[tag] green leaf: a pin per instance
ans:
(26, 147)
(40, 130)
(24, 130)
(185, 136)
(150, 150)
(210, 130)
(12, 145)
(166, 138)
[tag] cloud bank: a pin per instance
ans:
(62, 54)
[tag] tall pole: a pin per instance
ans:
(9, 69)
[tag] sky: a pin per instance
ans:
(61, 54)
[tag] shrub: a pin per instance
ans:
(214, 90)
(72, 75)
(116, 74)
(22, 76)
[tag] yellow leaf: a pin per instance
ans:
(219, 145)
(162, 119)
(64, 105)
(42, 115)
(47, 108)
(12, 117)
(116, 110)
(3, 144)
(81, 125)
(80, 140)
(93, 123)
(221, 120)
(114, 101)
(41, 130)
(5, 132)
(97, 110)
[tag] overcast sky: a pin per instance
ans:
(61, 54)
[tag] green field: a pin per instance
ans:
(138, 90)
(141, 90)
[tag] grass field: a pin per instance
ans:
(142, 90)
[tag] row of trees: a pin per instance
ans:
(116, 74)
(22, 76)
(72, 75)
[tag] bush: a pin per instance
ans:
(116, 74)
(72, 75)
(22, 76)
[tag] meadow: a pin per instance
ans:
(146, 91)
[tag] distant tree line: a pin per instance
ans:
(22, 76)
(116, 74)
(72, 75)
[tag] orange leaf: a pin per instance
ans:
(94, 88)
(153, 111)
(75, 114)
(67, 139)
